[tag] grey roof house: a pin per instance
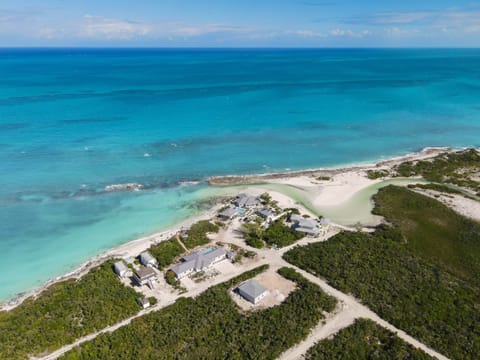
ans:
(307, 226)
(144, 275)
(198, 261)
(146, 259)
(228, 213)
(252, 291)
(121, 269)
(245, 200)
(143, 302)
(266, 213)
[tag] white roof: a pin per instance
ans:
(246, 200)
(198, 260)
(120, 266)
(252, 288)
(228, 212)
(296, 217)
(302, 222)
(265, 212)
(325, 221)
(307, 230)
(146, 257)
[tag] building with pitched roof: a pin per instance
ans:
(147, 259)
(252, 291)
(144, 275)
(228, 213)
(198, 261)
(121, 269)
(244, 200)
(307, 226)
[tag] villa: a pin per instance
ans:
(307, 226)
(266, 214)
(228, 213)
(144, 276)
(198, 261)
(121, 269)
(146, 259)
(244, 200)
(252, 291)
(143, 302)
(325, 222)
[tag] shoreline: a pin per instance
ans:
(135, 246)
(130, 248)
(232, 180)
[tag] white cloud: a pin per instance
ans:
(349, 33)
(472, 28)
(112, 29)
(305, 33)
(199, 30)
(398, 31)
(398, 17)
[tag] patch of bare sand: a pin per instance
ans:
(278, 290)
(462, 205)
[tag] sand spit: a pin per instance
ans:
(343, 186)
(231, 180)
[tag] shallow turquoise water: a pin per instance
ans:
(74, 121)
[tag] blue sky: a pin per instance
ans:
(242, 23)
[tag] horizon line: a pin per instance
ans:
(239, 47)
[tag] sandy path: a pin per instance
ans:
(129, 249)
(347, 311)
(197, 291)
(350, 307)
(342, 318)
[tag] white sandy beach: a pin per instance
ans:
(344, 184)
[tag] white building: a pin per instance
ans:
(228, 213)
(198, 261)
(144, 276)
(307, 226)
(143, 302)
(146, 259)
(266, 214)
(252, 291)
(244, 200)
(121, 269)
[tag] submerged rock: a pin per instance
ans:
(120, 187)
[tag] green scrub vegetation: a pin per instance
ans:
(365, 340)
(197, 234)
(432, 230)
(65, 312)
(459, 168)
(211, 326)
(418, 274)
(277, 234)
(166, 252)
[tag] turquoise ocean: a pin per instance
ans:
(73, 121)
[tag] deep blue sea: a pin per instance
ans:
(74, 121)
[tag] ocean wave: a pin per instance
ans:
(188, 183)
(124, 187)
(92, 120)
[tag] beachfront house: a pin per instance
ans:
(228, 213)
(145, 276)
(244, 200)
(266, 214)
(325, 222)
(252, 291)
(143, 302)
(146, 259)
(121, 269)
(306, 226)
(198, 261)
